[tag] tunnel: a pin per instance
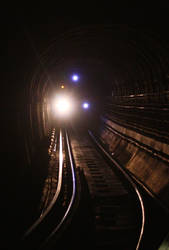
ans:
(123, 72)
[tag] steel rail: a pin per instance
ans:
(59, 185)
(127, 176)
(70, 155)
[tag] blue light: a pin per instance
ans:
(75, 78)
(85, 105)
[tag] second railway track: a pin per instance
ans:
(118, 216)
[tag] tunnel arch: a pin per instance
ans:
(116, 62)
(135, 61)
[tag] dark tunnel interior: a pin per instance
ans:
(117, 54)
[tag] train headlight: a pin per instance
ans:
(63, 106)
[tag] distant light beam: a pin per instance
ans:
(85, 105)
(75, 78)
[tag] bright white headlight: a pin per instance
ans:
(62, 106)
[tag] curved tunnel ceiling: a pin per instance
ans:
(115, 58)
(112, 59)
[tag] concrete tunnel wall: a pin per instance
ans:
(152, 171)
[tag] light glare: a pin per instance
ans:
(75, 78)
(62, 106)
(85, 105)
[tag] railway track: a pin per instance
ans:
(89, 200)
(125, 216)
(115, 201)
(59, 201)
